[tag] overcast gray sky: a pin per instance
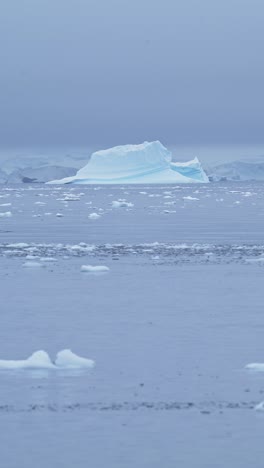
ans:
(116, 71)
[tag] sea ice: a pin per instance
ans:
(65, 359)
(32, 264)
(94, 216)
(38, 360)
(260, 406)
(256, 366)
(6, 214)
(94, 269)
(122, 204)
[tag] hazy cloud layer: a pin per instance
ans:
(116, 71)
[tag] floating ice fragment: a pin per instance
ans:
(7, 214)
(121, 203)
(256, 366)
(32, 264)
(255, 260)
(59, 215)
(66, 359)
(94, 216)
(259, 406)
(48, 259)
(38, 360)
(94, 269)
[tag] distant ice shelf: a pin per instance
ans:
(147, 163)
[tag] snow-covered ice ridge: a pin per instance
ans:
(157, 251)
(149, 162)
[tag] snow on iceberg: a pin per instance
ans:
(149, 162)
(65, 359)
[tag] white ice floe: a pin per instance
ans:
(256, 366)
(122, 204)
(65, 359)
(38, 360)
(190, 198)
(59, 215)
(94, 269)
(6, 214)
(48, 259)
(259, 406)
(94, 216)
(255, 260)
(32, 264)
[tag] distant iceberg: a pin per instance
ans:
(147, 163)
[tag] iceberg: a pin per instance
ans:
(39, 175)
(237, 171)
(147, 163)
(192, 169)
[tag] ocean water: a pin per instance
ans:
(171, 326)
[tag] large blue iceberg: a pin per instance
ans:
(149, 162)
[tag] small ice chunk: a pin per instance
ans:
(121, 204)
(190, 198)
(94, 216)
(6, 214)
(66, 359)
(48, 259)
(259, 406)
(59, 215)
(256, 366)
(94, 269)
(32, 264)
(38, 360)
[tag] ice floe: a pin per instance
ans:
(38, 360)
(32, 264)
(256, 366)
(260, 406)
(65, 359)
(122, 204)
(6, 214)
(94, 216)
(94, 269)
